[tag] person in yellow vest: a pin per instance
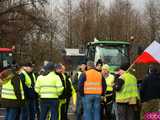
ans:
(62, 98)
(70, 91)
(41, 74)
(28, 80)
(91, 86)
(49, 88)
(109, 98)
(128, 95)
(12, 95)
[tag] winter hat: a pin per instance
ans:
(106, 67)
(48, 67)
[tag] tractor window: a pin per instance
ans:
(113, 55)
(91, 53)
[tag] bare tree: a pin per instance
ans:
(26, 24)
(85, 22)
(152, 19)
(92, 19)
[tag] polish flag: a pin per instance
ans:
(150, 55)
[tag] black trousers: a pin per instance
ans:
(125, 111)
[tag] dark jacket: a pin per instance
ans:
(150, 87)
(29, 92)
(68, 86)
(67, 91)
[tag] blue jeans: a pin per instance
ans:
(49, 105)
(28, 111)
(11, 113)
(79, 107)
(92, 107)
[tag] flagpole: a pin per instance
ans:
(132, 64)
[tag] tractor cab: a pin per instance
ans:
(113, 53)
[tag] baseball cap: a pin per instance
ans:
(49, 66)
(58, 66)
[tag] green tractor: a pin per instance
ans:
(113, 53)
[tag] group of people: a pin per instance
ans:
(97, 93)
(102, 95)
(28, 96)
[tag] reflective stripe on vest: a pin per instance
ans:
(8, 91)
(28, 81)
(129, 89)
(50, 86)
(109, 82)
(93, 83)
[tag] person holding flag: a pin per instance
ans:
(150, 85)
(128, 96)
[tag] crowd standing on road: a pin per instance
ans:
(28, 97)
(97, 93)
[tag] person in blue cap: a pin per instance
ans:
(49, 87)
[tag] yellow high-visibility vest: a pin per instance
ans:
(49, 86)
(129, 92)
(109, 81)
(28, 81)
(8, 91)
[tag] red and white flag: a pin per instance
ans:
(150, 55)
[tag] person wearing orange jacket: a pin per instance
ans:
(91, 86)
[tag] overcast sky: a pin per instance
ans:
(137, 4)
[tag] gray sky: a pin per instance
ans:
(137, 4)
